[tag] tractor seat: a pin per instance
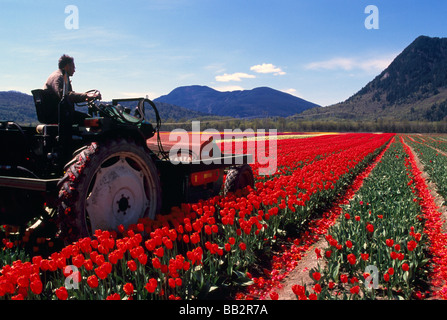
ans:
(46, 103)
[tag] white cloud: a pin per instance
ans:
(376, 64)
(215, 68)
(134, 95)
(292, 91)
(238, 76)
(332, 64)
(349, 64)
(96, 35)
(267, 68)
(228, 88)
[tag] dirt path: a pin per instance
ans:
(300, 275)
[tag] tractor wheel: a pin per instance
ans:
(239, 178)
(107, 185)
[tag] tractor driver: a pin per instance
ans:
(59, 83)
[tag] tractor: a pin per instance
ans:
(112, 169)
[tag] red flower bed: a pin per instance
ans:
(203, 245)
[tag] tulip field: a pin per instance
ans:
(368, 196)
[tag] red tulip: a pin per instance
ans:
(92, 281)
(62, 293)
(128, 288)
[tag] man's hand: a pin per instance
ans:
(96, 95)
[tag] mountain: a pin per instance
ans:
(259, 102)
(184, 103)
(19, 107)
(413, 87)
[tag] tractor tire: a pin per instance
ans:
(107, 185)
(238, 178)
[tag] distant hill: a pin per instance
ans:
(19, 107)
(258, 102)
(413, 87)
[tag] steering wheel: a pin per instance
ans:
(91, 101)
(96, 95)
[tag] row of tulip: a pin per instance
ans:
(202, 246)
(438, 142)
(430, 151)
(288, 257)
(378, 248)
(433, 162)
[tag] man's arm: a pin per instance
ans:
(77, 97)
(55, 83)
(82, 97)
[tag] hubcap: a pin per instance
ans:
(118, 196)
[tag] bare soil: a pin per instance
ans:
(300, 275)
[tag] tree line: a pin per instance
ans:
(289, 125)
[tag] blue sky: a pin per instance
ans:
(319, 50)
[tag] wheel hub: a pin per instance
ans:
(118, 197)
(123, 204)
